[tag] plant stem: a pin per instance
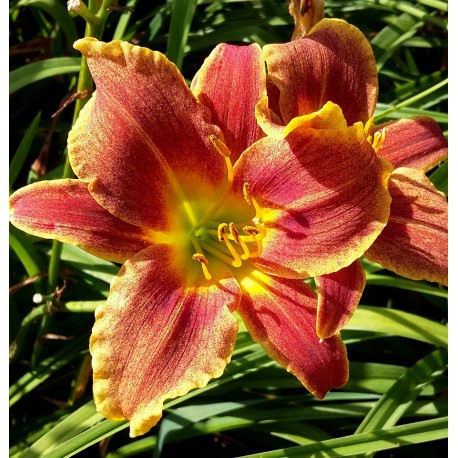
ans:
(95, 24)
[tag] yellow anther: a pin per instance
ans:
(234, 232)
(204, 263)
(221, 231)
(251, 230)
(200, 257)
(220, 146)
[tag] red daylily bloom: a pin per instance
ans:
(334, 63)
(209, 216)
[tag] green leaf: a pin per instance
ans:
(68, 442)
(182, 15)
(398, 323)
(23, 150)
(59, 13)
(30, 380)
(408, 112)
(404, 283)
(80, 420)
(374, 441)
(392, 36)
(396, 401)
(440, 177)
(37, 71)
(26, 252)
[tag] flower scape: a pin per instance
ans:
(222, 197)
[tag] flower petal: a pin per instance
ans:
(230, 83)
(414, 242)
(338, 296)
(330, 116)
(334, 63)
(143, 142)
(64, 210)
(417, 143)
(306, 14)
(280, 314)
(163, 331)
(323, 195)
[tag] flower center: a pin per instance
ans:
(227, 241)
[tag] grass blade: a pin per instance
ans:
(413, 433)
(397, 400)
(399, 323)
(182, 15)
(23, 150)
(37, 71)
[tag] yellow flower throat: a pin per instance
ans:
(229, 242)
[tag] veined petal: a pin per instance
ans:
(333, 63)
(338, 296)
(64, 210)
(163, 331)
(323, 195)
(416, 143)
(143, 142)
(231, 81)
(280, 314)
(414, 242)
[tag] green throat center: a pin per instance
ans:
(230, 242)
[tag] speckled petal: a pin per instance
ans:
(64, 210)
(414, 242)
(163, 331)
(230, 83)
(334, 62)
(143, 141)
(280, 314)
(417, 143)
(338, 296)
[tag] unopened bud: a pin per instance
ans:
(73, 5)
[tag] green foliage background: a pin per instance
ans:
(395, 404)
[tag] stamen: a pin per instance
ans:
(379, 139)
(220, 146)
(222, 236)
(246, 250)
(376, 140)
(258, 251)
(224, 151)
(368, 126)
(199, 256)
(251, 230)
(234, 232)
(216, 251)
(251, 200)
(221, 231)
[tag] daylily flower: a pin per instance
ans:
(334, 62)
(208, 216)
